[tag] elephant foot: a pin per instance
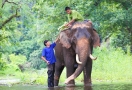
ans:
(66, 81)
(56, 83)
(57, 87)
(70, 85)
(56, 80)
(88, 84)
(69, 79)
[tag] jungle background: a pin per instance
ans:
(25, 24)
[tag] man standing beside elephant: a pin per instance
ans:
(49, 57)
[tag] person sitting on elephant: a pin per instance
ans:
(49, 57)
(73, 16)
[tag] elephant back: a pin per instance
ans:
(83, 24)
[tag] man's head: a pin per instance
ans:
(47, 43)
(68, 10)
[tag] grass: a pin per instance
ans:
(112, 65)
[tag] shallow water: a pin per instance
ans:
(93, 87)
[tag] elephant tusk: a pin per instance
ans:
(92, 57)
(77, 59)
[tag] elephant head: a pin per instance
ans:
(82, 38)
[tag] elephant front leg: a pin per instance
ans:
(87, 73)
(70, 69)
(69, 59)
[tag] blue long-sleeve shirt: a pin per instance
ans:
(48, 53)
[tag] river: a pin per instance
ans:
(117, 86)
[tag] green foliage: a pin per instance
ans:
(9, 33)
(17, 59)
(10, 64)
(14, 61)
(112, 65)
(35, 59)
(122, 39)
(2, 63)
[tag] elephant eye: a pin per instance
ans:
(74, 39)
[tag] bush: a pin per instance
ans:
(2, 64)
(36, 61)
(15, 60)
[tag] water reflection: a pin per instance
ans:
(56, 88)
(71, 88)
(114, 86)
(87, 88)
(51, 88)
(79, 88)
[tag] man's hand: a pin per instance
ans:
(70, 23)
(43, 58)
(66, 24)
(57, 38)
(47, 62)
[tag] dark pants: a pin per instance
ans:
(50, 72)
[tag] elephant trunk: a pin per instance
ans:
(81, 58)
(78, 70)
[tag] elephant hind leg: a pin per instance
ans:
(58, 71)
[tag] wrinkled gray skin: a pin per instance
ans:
(80, 40)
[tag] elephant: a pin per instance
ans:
(74, 51)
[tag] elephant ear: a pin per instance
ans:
(96, 39)
(65, 38)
